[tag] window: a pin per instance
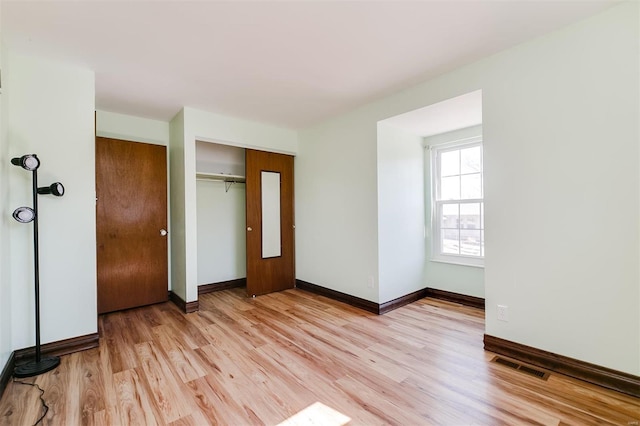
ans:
(458, 205)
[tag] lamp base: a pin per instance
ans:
(35, 368)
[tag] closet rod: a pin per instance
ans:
(220, 176)
(227, 179)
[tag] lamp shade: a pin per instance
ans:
(55, 188)
(24, 214)
(28, 162)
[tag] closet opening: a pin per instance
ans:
(221, 221)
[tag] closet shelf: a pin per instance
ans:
(221, 176)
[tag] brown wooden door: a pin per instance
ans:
(131, 218)
(269, 269)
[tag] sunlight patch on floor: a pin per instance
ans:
(317, 414)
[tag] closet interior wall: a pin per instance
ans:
(220, 193)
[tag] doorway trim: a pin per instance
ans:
(187, 127)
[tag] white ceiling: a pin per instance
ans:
(452, 114)
(282, 62)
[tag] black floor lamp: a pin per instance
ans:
(30, 162)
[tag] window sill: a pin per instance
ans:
(458, 262)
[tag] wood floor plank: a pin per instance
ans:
(136, 405)
(243, 336)
(119, 343)
(282, 357)
(23, 407)
(111, 414)
(372, 402)
(56, 386)
(317, 414)
(239, 378)
(183, 328)
(559, 401)
(85, 387)
(291, 395)
(163, 385)
(100, 418)
(181, 358)
(343, 347)
(215, 406)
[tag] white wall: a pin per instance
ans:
(219, 159)
(193, 125)
(5, 216)
(459, 279)
(560, 124)
(177, 204)
(336, 204)
(401, 242)
(561, 150)
(50, 112)
(131, 128)
(222, 251)
(210, 127)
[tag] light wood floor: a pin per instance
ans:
(260, 361)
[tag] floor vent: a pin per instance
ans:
(520, 367)
(506, 362)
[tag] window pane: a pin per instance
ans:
(470, 243)
(449, 241)
(459, 225)
(470, 160)
(471, 186)
(450, 188)
(470, 216)
(450, 217)
(450, 163)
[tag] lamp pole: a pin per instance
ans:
(40, 365)
(36, 263)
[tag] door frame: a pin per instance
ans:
(182, 166)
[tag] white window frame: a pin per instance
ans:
(436, 203)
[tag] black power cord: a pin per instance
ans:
(44, 404)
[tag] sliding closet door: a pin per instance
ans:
(270, 222)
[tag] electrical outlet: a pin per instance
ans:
(372, 282)
(503, 313)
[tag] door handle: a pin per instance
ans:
(163, 232)
(249, 228)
